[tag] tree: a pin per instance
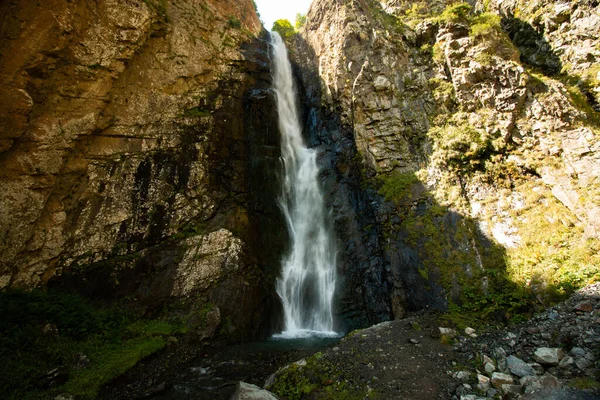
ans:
(300, 20)
(284, 28)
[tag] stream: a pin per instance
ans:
(215, 377)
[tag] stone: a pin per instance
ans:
(585, 306)
(447, 331)
(519, 367)
(514, 389)
(583, 363)
(499, 379)
(470, 332)
(531, 383)
(414, 341)
(483, 382)
(549, 380)
(548, 356)
(538, 368)
(500, 352)
(489, 368)
(247, 391)
(462, 375)
(577, 352)
(566, 362)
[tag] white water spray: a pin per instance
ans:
(308, 275)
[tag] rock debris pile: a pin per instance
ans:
(554, 355)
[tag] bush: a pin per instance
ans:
(461, 147)
(284, 28)
(457, 13)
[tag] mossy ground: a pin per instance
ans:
(42, 331)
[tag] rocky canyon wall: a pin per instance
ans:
(479, 167)
(139, 154)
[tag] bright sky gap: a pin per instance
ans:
(272, 10)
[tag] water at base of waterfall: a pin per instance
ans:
(308, 275)
(306, 334)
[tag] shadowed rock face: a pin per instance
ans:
(444, 108)
(139, 153)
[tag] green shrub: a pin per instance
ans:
(457, 13)
(284, 28)
(234, 23)
(461, 147)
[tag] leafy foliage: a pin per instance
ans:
(457, 13)
(284, 28)
(300, 20)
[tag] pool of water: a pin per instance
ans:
(214, 377)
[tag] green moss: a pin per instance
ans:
(584, 383)
(560, 262)
(319, 379)
(108, 362)
(196, 112)
(396, 186)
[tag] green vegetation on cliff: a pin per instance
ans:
(284, 28)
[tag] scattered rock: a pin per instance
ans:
(548, 356)
(483, 382)
(566, 362)
(247, 391)
(584, 306)
(447, 332)
(470, 332)
(514, 389)
(499, 379)
(462, 375)
(519, 367)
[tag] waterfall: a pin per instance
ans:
(307, 281)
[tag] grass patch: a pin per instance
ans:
(44, 331)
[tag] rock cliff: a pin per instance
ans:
(471, 130)
(138, 154)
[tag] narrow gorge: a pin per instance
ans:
(173, 186)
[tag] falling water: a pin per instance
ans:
(307, 279)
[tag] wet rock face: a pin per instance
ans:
(138, 147)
